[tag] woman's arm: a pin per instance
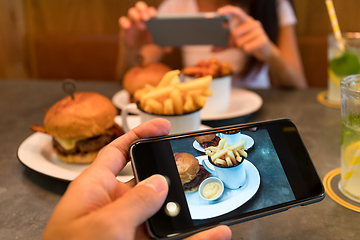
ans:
(127, 56)
(285, 67)
(284, 60)
(135, 39)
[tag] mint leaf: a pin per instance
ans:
(346, 64)
(354, 118)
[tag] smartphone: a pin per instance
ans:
(189, 29)
(279, 175)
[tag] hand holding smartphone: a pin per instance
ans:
(189, 29)
(277, 170)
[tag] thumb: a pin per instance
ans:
(144, 200)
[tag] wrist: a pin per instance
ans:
(273, 54)
(124, 45)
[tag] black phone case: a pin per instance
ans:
(317, 194)
(189, 30)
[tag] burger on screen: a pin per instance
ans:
(208, 140)
(190, 171)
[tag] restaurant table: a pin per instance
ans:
(27, 198)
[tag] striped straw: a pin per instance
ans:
(335, 23)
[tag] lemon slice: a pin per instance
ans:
(333, 77)
(351, 157)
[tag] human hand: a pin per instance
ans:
(97, 206)
(249, 34)
(133, 28)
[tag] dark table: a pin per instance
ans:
(27, 198)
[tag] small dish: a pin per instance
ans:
(211, 180)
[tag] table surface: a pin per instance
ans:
(27, 198)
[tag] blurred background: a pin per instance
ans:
(57, 39)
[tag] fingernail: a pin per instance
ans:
(156, 182)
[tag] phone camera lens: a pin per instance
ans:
(172, 209)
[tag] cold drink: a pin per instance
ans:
(349, 184)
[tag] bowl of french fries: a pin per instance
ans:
(221, 85)
(226, 162)
(178, 102)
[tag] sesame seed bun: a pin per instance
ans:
(87, 115)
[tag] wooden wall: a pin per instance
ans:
(78, 39)
(57, 39)
(313, 28)
(13, 59)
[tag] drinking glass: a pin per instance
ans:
(342, 63)
(349, 184)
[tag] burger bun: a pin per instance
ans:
(137, 77)
(205, 138)
(88, 114)
(187, 165)
(77, 158)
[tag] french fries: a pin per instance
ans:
(227, 155)
(171, 96)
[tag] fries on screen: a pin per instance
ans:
(171, 96)
(227, 155)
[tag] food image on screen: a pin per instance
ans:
(227, 155)
(266, 182)
(191, 173)
(208, 140)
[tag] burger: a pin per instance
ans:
(191, 173)
(208, 140)
(232, 132)
(81, 126)
(137, 77)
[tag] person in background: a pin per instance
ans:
(97, 206)
(263, 49)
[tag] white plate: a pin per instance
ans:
(231, 199)
(36, 153)
(133, 121)
(121, 99)
(249, 142)
(242, 103)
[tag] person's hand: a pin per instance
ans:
(133, 28)
(249, 34)
(97, 206)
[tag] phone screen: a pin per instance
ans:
(279, 174)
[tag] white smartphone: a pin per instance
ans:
(189, 29)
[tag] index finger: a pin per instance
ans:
(114, 156)
(142, 8)
(234, 11)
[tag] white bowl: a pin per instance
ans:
(219, 101)
(211, 180)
